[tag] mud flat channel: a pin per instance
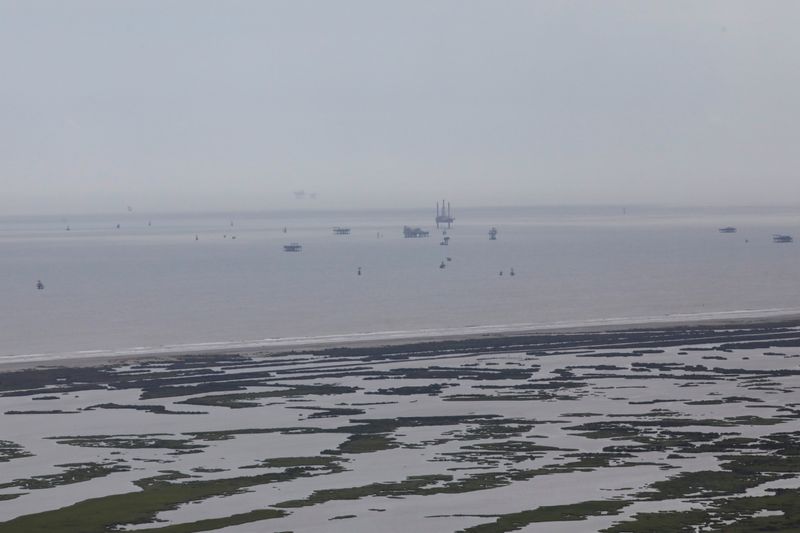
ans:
(679, 428)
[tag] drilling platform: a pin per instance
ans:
(444, 217)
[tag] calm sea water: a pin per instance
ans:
(183, 280)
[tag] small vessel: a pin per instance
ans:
(445, 241)
(727, 229)
(341, 231)
(414, 233)
(292, 247)
(449, 258)
(782, 238)
(501, 272)
(359, 271)
(511, 272)
(493, 234)
(39, 285)
(442, 265)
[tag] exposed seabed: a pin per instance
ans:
(663, 427)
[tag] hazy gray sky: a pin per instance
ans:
(197, 105)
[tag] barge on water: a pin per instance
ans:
(414, 233)
(293, 247)
(782, 238)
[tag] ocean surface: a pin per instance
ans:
(164, 282)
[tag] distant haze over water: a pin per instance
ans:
(184, 279)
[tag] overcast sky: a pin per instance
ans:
(198, 105)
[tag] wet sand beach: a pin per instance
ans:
(483, 337)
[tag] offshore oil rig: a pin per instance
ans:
(444, 217)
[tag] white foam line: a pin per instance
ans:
(420, 334)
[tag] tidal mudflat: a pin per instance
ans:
(636, 430)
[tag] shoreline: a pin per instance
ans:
(489, 336)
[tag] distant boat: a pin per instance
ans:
(782, 238)
(511, 272)
(414, 233)
(442, 265)
(445, 241)
(493, 234)
(341, 231)
(39, 285)
(292, 247)
(727, 229)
